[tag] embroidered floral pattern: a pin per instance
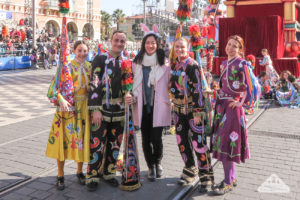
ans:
(236, 84)
(234, 136)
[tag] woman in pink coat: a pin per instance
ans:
(151, 109)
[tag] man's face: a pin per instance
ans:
(118, 43)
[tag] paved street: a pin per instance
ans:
(274, 145)
(26, 116)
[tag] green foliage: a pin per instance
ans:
(106, 22)
(130, 37)
(118, 17)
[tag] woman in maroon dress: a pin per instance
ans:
(229, 133)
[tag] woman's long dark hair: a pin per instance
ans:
(159, 52)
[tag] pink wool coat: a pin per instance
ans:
(162, 105)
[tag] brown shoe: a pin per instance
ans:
(221, 188)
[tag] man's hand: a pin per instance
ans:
(197, 120)
(97, 118)
(128, 99)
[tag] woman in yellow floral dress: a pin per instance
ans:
(70, 130)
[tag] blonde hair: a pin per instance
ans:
(182, 39)
(265, 50)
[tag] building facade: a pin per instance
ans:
(83, 20)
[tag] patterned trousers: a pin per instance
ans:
(105, 145)
(193, 138)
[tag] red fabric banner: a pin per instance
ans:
(257, 32)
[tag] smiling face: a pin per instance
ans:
(118, 42)
(81, 52)
(232, 48)
(181, 49)
(150, 45)
(285, 76)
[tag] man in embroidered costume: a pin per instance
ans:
(107, 106)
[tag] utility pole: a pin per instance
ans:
(144, 11)
(33, 23)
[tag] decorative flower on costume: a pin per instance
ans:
(234, 136)
(236, 84)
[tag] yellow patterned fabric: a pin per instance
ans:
(70, 131)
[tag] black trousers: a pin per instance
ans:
(105, 145)
(192, 138)
(151, 139)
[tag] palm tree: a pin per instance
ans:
(118, 17)
(106, 22)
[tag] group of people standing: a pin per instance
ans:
(89, 121)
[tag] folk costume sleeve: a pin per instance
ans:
(66, 91)
(248, 84)
(96, 85)
(194, 83)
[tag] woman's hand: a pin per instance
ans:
(97, 118)
(197, 120)
(128, 99)
(64, 105)
(234, 104)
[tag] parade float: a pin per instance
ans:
(270, 24)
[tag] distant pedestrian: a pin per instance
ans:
(271, 72)
(34, 58)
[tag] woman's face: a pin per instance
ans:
(263, 53)
(285, 76)
(150, 45)
(181, 49)
(81, 52)
(232, 48)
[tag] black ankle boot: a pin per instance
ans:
(60, 183)
(151, 174)
(159, 170)
(81, 178)
(92, 186)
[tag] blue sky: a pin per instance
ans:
(129, 7)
